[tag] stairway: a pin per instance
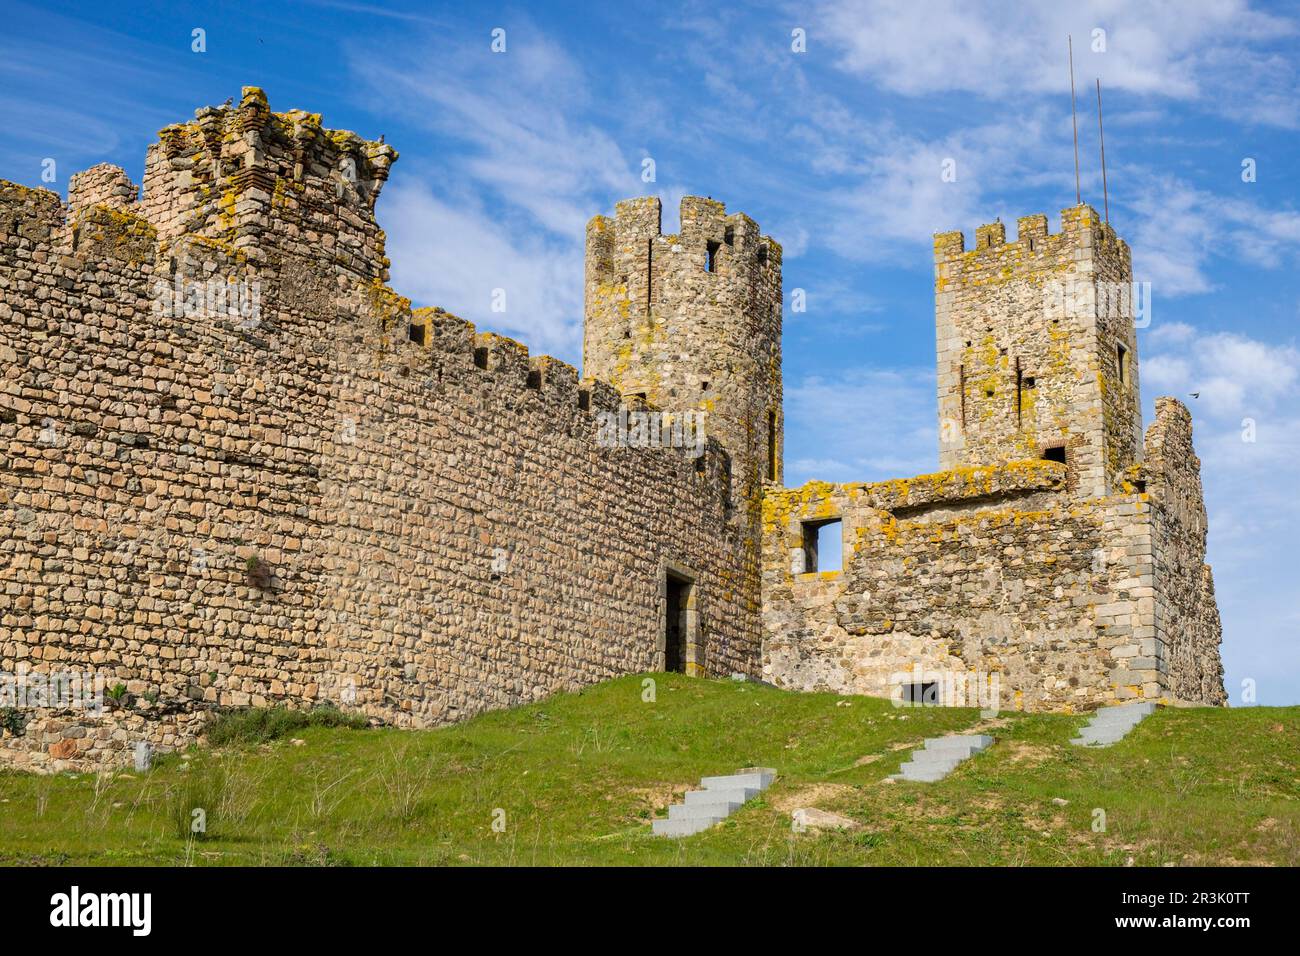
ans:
(717, 799)
(940, 755)
(1111, 724)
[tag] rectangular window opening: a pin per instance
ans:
(823, 545)
(771, 446)
(1055, 453)
(711, 256)
(1121, 354)
(419, 334)
(481, 357)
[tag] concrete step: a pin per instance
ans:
(1146, 708)
(696, 811)
(928, 775)
(722, 795)
(681, 828)
(938, 757)
(759, 778)
(1092, 737)
(970, 742)
(719, 798)
(1110, 725)
(913, 768)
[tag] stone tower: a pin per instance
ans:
(1037, 354)
(692, 322)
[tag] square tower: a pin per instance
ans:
(1037, 351)
(692, 321)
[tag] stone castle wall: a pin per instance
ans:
(978, 572)
(237, 469)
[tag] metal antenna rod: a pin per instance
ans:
(1074, 120)
(1101, 135)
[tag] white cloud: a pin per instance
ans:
(1178, 229)
(514, 116)
(453, 254)
(1194, 51)
(861, 425)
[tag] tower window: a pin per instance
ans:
(771, 446)
(1055, 453)
(1121, 356)
(729, 237)
(711, 256)
(417, 334)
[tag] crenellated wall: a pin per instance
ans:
(238, 469)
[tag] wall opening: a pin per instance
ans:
(711, 256)
(921, 694)
(1055, 453)
(823, 545)
(1020, 394)
(679, 623)
(418, 334)
(481, 357)
(771, 446)
(1121, 356)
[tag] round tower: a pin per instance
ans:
(692, 322)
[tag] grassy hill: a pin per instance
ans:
(579, 776)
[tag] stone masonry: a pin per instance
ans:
(237, 469)
(1058, 562)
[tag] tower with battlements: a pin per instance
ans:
(692, 322)
(1036, 347)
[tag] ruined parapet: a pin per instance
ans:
(102, 185)
(29, 217)
(1187, 627)
(274, 185)
(1037, 353)
(692, 322)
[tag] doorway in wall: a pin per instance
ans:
(679, 611)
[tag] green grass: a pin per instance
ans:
(579, 776)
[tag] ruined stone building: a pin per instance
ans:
(237, 469)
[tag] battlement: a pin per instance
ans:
(450, 341)
(617, 245)
(271, 184)
(993, 257)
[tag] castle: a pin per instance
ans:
(237, 469)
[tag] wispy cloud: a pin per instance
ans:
(1191, 51)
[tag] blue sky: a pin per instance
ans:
(836, 152)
